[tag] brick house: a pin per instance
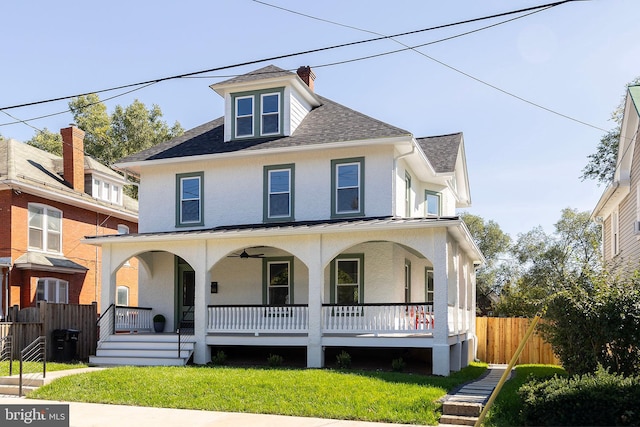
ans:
(47, 205)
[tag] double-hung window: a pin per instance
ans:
(189, 199)
(278, 192)
(432, 203)
(45, 228)
(347, 279)
(270, 110)
(347, 182)
(407, 196)
(244, 116)
(278, 280)
(257, 113)
(428, 284)
(52, 290)
(122, 295)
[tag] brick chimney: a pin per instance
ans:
(73, 156)
(307, 76)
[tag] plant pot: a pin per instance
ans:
(158, 327)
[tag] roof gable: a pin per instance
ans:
(441, 151)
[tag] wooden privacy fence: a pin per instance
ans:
(499, 337)
(47, 317)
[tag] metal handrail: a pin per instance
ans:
(180, 331)
(34, 352)
(107, 322)
(7, 351)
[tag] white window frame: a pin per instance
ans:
(438, 196)
(122, 288)
(60, 290)
(44, 228)
(357, 284)
(123, 229)
(263, 114)
(238, 116)
(107, 191)
(429, 280)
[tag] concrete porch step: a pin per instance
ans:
(144, 345)
(36, 380)
(143, 352)
(135, 361)
(14, 390)
(462, 408)
(149, 338)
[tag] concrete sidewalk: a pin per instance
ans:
(99, 415)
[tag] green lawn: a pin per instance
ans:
(349, 395)
(506, 408)
(31, 367)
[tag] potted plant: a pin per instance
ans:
(158, 322)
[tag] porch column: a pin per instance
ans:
(107, 279)
(202, 352)
(315, 352)
(441, 361)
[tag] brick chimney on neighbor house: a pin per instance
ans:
(307, 76)
(73, 156)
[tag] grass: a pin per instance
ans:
(506, 408)
(33, 367)
(350, 395)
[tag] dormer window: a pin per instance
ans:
(107, 191)
(244, 116)
(257, 113)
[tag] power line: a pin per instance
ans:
(414, 48)
(289, 55)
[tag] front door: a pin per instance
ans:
(186, 296)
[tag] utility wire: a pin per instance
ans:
(273, 58)
(414, 48)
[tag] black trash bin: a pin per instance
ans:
(65, 343)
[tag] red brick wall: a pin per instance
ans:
(77, 223)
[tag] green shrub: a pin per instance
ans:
(343, 360)
(398, 364)
(275, 360)
(597, 399)
(596, 322)
(220, 358)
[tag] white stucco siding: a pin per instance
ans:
(233, 188)
(158, 290)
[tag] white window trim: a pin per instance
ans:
(183, 199)
(263, 114)
(238, 116)
(269, 193)
(338, 188)
(427, 292)
(44, 230)
(358, 283)
(438, 196)
(106, 190)
(45, 290)
(121, 287)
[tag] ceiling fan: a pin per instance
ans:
(245, 255)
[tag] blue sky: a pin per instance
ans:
(524, 162)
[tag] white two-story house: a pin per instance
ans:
(295, 221)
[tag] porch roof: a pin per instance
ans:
(343, 225)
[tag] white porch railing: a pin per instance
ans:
(133, 319)
(378, 318)
(258, 318)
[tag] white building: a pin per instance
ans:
(295, 221)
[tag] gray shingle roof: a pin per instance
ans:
(23, 162)
(330, 122)
(442, 151)
(263, 73)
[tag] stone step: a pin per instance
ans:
(462, 408)
(458, 420)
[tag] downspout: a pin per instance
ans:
(393, 181)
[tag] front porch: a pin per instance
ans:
(387, 287)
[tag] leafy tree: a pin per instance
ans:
(551, 263)
(109, 137)
(602, 164)
(493, 243)
(47, 141)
